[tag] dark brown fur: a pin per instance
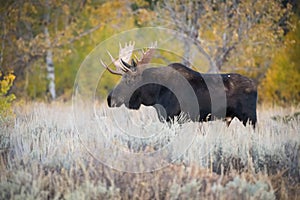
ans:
(153, 87)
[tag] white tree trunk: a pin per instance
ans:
(49, 57)
(50, 67)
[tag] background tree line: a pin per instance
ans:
(43, 42)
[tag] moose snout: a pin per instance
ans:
(113, 101)
(109, 100)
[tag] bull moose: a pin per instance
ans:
(166, 89)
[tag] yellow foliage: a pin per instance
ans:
(282, 82)
(141, 3)
(6, 82)
(145, 16)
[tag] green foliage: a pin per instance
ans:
(282, 82)
(6, 82)
(240, 188)
(67, 67)
(36, 81)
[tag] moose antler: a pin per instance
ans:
(125, 54)
(146, 54)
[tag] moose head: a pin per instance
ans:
(131, 90)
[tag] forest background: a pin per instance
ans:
(45, 150)
(43, 43)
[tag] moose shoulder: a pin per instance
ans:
(162, 88)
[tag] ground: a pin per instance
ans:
(48, 152)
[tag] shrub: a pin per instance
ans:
(6, 82)
(282, 82)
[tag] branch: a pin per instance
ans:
(222, 58)
(82, 34)
(213, 67)
(3, 44)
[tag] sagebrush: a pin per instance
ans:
(44, 155)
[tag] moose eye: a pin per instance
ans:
(130, 80)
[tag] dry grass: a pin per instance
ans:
(42, 157)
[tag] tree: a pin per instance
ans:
(49, 60)
(230, 33)
(281, 84)
(35, 30)
(38, 35)
(115, 17)
(6, 81)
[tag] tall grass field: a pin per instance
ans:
(48, 152)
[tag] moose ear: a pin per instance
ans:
(125, 64)
(133, 63)
(132, 67)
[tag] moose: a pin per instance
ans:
(176, 89)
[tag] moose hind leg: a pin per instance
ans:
(248, 119)
(161, 112)
(246, 113)
(253, 120)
